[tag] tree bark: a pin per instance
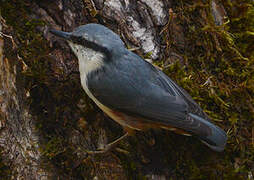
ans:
(47, 122)
(18, 139)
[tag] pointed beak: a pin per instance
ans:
(62, 34)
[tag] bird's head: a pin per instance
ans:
(92, 43)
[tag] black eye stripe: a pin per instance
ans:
(92, 45)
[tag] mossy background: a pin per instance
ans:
(217, 70)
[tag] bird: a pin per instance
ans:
(132, 91)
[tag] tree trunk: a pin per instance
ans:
(19, 139)
(47, 122)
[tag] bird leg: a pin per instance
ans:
(109, 146)
(101, 151)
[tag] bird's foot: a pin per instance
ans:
(109, 146)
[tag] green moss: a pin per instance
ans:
(219, 74)
(241, 24)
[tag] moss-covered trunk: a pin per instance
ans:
(47, 121)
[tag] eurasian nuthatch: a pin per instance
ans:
(132, 91)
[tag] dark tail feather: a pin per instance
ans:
(217, 139)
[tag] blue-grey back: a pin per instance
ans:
(134, 86)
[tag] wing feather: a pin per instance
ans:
(133, 86)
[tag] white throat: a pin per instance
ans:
(89, 60)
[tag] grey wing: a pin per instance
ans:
(193, 107)
(135, 87)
